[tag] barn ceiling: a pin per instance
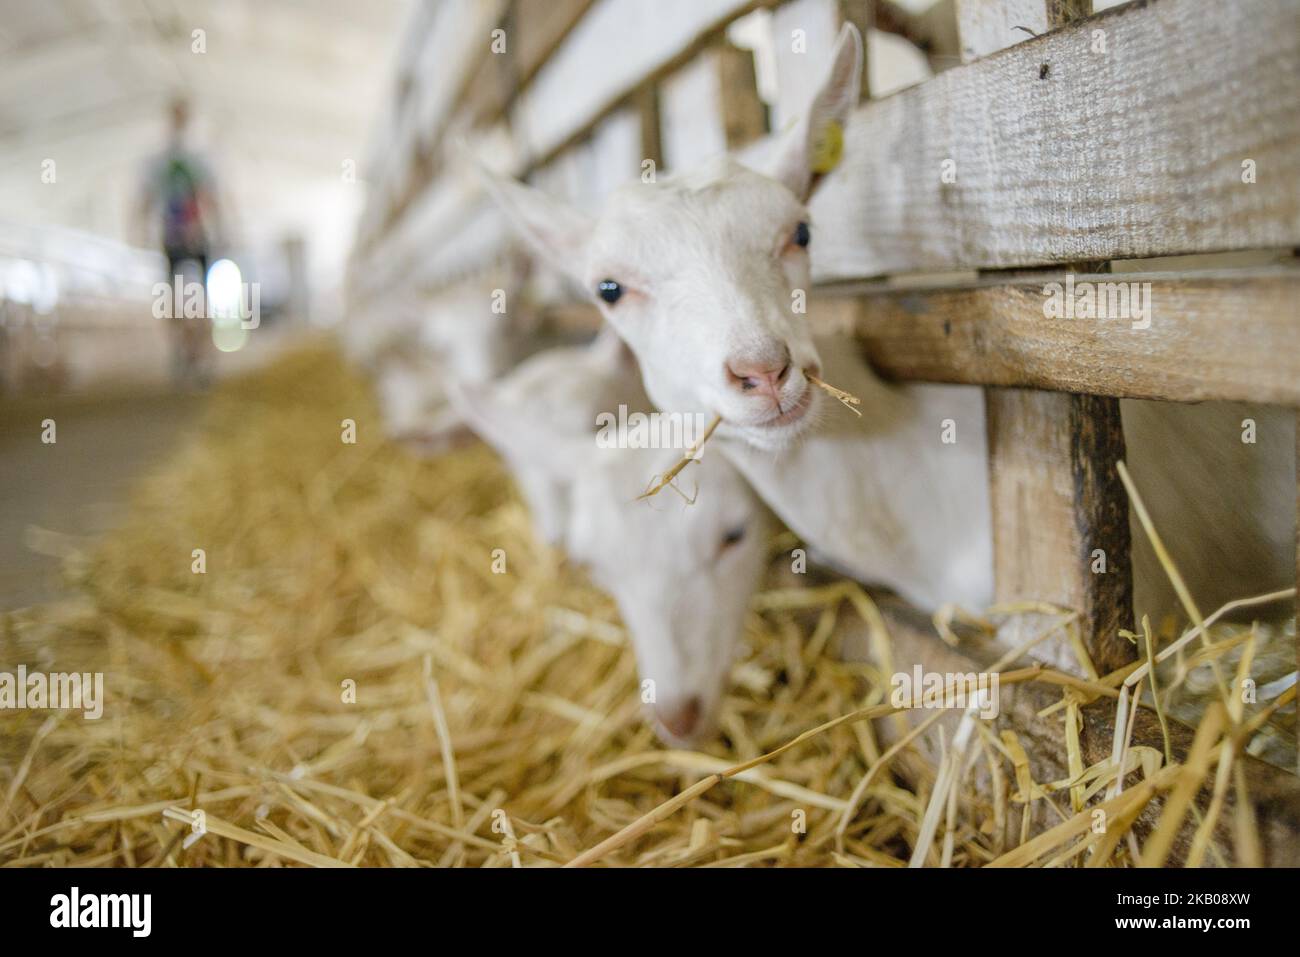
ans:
(284, 94)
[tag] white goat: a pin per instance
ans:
(682, 576)
(412, 346)
(565, 388)
(697, 273)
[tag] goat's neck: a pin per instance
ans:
(882, 497)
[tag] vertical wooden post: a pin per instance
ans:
(1060, 513)
(647, 105)
(797, 71)
(744, 116)
(933, 32)
(1061, 12)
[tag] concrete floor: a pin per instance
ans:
(79, 485)
(109, 434)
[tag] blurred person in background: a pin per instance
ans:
(179, 208)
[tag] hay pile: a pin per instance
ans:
(349, 682)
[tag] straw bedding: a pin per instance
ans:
(350, 682)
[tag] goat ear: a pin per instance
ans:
(558, 232)
(817, 142)
(515, 433)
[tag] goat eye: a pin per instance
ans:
(733, 536)
(802, 235)
(609, 290)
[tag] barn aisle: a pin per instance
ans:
(55, 497)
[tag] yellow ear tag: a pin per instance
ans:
(828, 147)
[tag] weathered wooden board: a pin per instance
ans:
(456, 38)
(987, 27)
(419, 235)
(803, 37)
(691, 113)
(413, 32)
(468, 90)
(618, 148)
(1211, 336)
(1217, 335)
(533, 33)
(1060, 517)
(1136, 152)
(1061, 153)
(744, 117)
(933, 32)
(1060, 527)
(646, 103)
(611, 51)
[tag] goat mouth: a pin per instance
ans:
(793, 414)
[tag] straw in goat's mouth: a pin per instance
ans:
(848, 399)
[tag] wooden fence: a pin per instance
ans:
(1049, 141)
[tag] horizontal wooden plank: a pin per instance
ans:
(986, 27)
(597, 68)
(1228, 336)
(453, 228)
(803, 38)
(456, 39)
(1125, 154)
(534, 32)
(691, 120)
(933, 32)
(452, 231)
(1062, 153)
(1211, 336)
(614, 49)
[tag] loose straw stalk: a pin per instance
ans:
(665, 810)
(529, 747)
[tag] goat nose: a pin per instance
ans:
(763, 374)
(679, 716)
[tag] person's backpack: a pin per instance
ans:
(182, 183)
